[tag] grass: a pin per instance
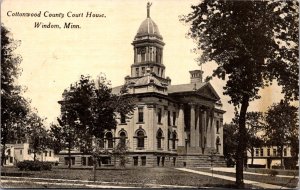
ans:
(139, 176)
(275, 180)
(267, 171)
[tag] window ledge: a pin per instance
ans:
(159, 123)
(140, 122)
(122, 123)
(140, 148)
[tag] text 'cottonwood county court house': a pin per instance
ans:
(172, 125)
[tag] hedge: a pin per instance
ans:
(34, 165)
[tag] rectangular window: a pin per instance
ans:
(123, 118)
(174, 118)
(284, 152)
(50, 153)
(46, 153)
(268, 152)
(11, 159)
(169, 118)
(218, 126)
(141, 115)
(83, 161)
(135, 160)
(29, 151)
(143, 56)
(137, 72)
(256, 152)
(143, 71)
(143, 158)
(261, 152)
(274, 152)
(20, 152)
(159, 115)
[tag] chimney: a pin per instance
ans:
(196, 76)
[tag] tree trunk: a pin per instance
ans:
(241, 143)
(3, 154)
(69, 152)
(94, 167)
(252, 156)
(281, 158)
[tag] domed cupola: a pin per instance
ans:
(148, 49)
(148, 28)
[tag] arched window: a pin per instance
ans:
(123, 138)
(101, 141)
(109, 138)
(140, 139)
(159, 138)
(174, 138)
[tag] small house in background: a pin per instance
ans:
(269, 157)
(15, 153)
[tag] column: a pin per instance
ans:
(213, 130)
(203, 129)
(197, 118)
(192, 123)
(149, 127)
(180, 127)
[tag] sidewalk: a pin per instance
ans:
(255, 183)
(47, 182)
(232, 170)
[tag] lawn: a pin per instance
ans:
(139, 176)
(275, 180)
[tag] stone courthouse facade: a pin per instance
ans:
(175, 125)
(172, 125)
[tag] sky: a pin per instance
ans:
(54, 58)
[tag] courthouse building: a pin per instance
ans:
(172, 125)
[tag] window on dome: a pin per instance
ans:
(143, 71)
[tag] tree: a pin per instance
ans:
(230, 142)
(253, 43)
(56, 138)
(13, 106)
(282, 125)
(66, 133)
(37, 134)
(94, 107)
(121, 151)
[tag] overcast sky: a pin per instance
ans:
(55, 58)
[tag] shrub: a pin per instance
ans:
(273, 172)
(34, 165)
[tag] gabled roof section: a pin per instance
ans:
(116, 90)
(185, 87)
(204, 89)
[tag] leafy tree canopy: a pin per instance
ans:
(90, 107)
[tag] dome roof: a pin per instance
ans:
(148, 27)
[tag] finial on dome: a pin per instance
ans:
(148, 9)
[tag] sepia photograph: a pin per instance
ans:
(165, 94)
